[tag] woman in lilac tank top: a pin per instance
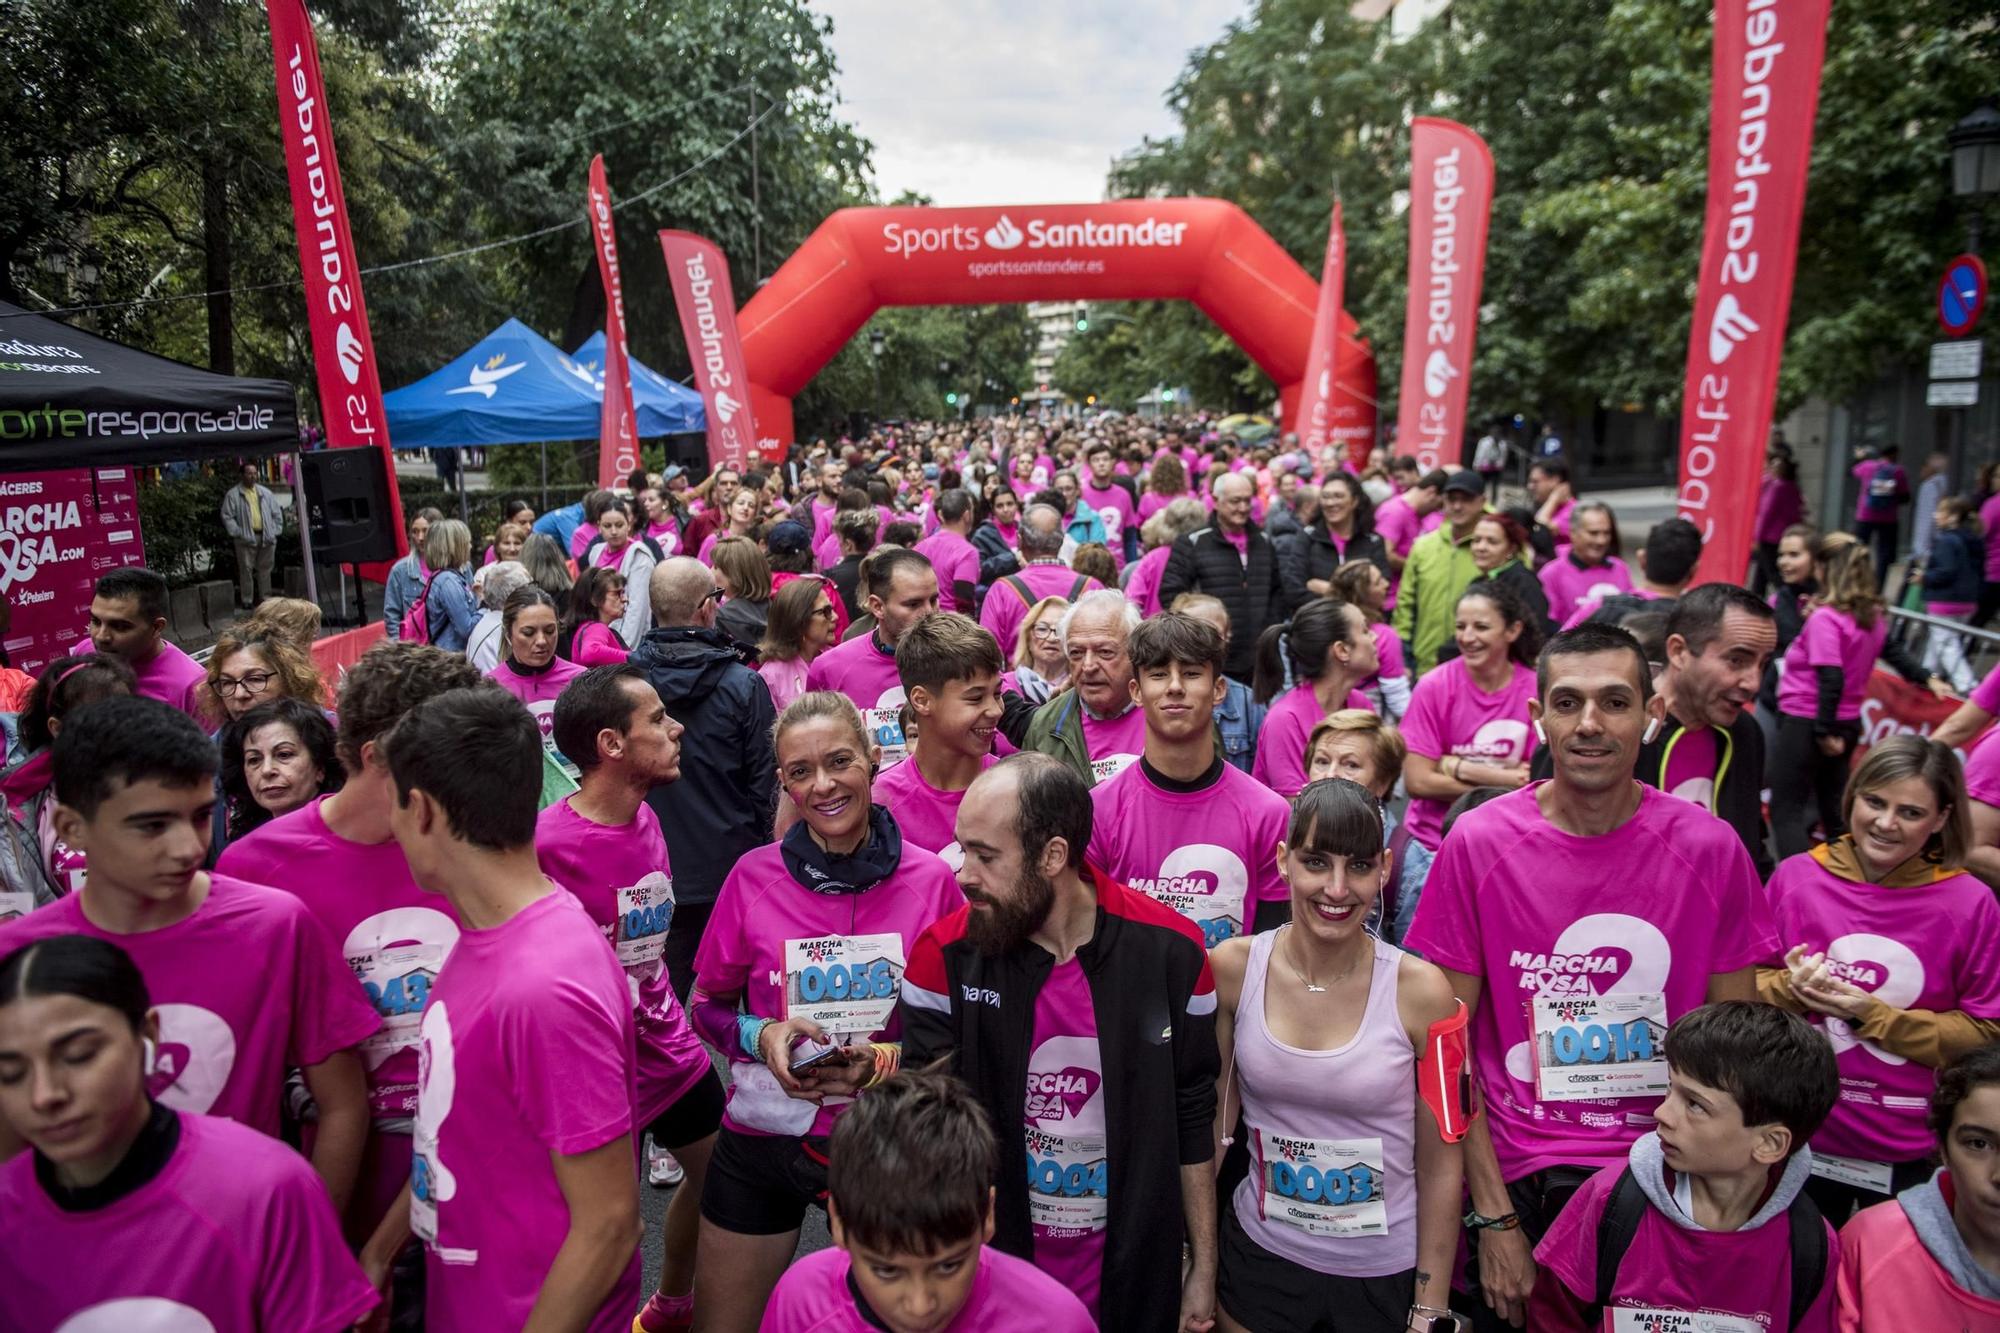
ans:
(1352, 1197)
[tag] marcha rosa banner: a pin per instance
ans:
(1451, 203)
(1314, 422)
(58, 532)
(707, 306)
(1761, 108)
(618, 438)
(350, 388)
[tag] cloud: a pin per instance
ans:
(1028, 101)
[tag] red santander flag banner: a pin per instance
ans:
(708, 321)
(1451, 202)
(350, 390)
(618, 439)
(1761, 107)
(1314, 422)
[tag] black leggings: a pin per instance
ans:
(1806, 783)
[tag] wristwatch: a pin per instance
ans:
(1430, 1319)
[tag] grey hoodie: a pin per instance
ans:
(1649, 1169)
(1930, 1217)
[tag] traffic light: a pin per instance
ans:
(951, 399)
(1082, 325)
(1091, 400)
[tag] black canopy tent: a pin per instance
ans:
(72, 399)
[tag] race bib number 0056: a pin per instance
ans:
(845, 983)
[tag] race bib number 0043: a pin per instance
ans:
(1324, 1187)
(1589, 1047)
(845, 983)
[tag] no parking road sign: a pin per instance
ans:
(1961, 296)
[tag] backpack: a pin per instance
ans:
(1627, 1205)
(1027, 594)
(417, 619)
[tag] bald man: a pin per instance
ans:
(722, 805)
(1042, 574)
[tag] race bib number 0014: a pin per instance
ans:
(1324, 1187)
(1589, 1047)
(845, 983)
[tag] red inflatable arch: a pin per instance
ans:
(1206, 251)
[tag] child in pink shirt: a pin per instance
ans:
(951, 668)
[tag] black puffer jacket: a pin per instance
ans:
(996, 559)
(1314, 556)
(728, 787)
(1251, 589)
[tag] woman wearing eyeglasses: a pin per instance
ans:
(1039, 664)
(250, 669)
(798, 628)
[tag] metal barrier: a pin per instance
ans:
(1941, 643)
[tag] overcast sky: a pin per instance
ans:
(1011, 101)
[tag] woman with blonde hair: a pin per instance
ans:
(744, 575)
(450, 613)
(548, 566)
(249, 668)
(292, 618)
(1820, 692)
(1039, 664)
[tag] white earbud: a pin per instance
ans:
(1652, 730)
(149, 1053)
(1541, 735)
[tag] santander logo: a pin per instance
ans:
(1004, 235)
(1727, 327)
(726, 407)
(1438, 373)
(347, 348)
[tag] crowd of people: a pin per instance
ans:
(1124, 878)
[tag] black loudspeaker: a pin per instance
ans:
(347, 506)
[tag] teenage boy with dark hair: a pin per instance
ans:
(128, 616)
(523, 1188)
(910, 1203)
(950, 668)
(1180, 825)
(902, 588)
(1708, 1215)
(247, 984)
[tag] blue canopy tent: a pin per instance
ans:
(516, 387)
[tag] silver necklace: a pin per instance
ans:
(1313, 987)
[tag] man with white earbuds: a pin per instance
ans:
(1709, 749)
(1597, 909)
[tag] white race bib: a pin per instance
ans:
(1324, 1187)
(398, 983)
(1874, 1176)
(645, 910)
(885, 728)
(1589, 1047)
(845, 983)
(1109, 767)
(1068, 1192)
(1646, 1319)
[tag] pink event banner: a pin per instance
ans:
(58, 532)
(1451, 202)
(1314, 420)
(618, 437)
(708, 321)
(350, 387)
(1765, 94)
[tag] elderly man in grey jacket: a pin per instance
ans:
(251, 517)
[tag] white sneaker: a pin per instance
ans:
(662, 1171)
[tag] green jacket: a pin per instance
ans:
(1438, 570)
(1057, 729)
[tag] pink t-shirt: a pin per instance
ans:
(1691, 765)
(1397, 523)
(779, 943)
(537, 691)
(1571, 586)
(527, 1051)
(235, 1232)
(1005, 610)
(1389, 660)
(1281, 743)
(1152, 502)
(928, 817)
(394, 937)
(1588, 607)
(1926, 947)
(1118, 513)
(1112, 743)
(580, 540)
(1888, 1279)
(1143, 588)
(622, 877)
(1673, 1268)
(170, 676)
(1830, 638)
(246, 986)
(596, 644)
(1450, 714)
(1559, 521)
(1987, 693)
(1008, 1295)
(785, 680)
(1069, 1196)
(1211, 855)
(956, 561)
(864, 673)
(667, 536)
(1530, 909)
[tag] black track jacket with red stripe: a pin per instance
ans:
(1154, 1000)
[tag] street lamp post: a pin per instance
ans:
(1975, 163)
(877, 342)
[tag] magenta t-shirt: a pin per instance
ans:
(1211, 855)
(1830, 638)
(1143, 588)
(1397, 523)
(1005, 610)
(1450, 714)
(1633, 924)
(1008, 1295)
(1069, 1195)
(1112, 743)
(928, 817)
(625, 882)
(1691, 765)
(527, 1051)
(247, 986)
(1281, 742)
(1672, 1268)
(537, 691)
(170, 676)
(1117, 511)
(1987, 693)
(236, 1232)
(1925, 947)
(393, 936)
(1982, 767)
(1570, 586)
(956, 561)
(867, 676)
(779, 944)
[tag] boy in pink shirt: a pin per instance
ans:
(911, 1208)
(523, 1186)
(901, 588)
(128, 619)
(247, 983)
(1709, 1214)
(951, 668)
(952, 554)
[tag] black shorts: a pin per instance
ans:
(762, 1184)
(1268, 1293)
(693, 1116)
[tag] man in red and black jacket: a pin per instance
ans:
(1083, 1016)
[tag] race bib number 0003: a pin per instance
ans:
(1324, 1187)
(845, 983)
(1589, 1047)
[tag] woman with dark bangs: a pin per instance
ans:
(1352, 1197)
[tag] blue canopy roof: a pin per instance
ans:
(516, 387)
